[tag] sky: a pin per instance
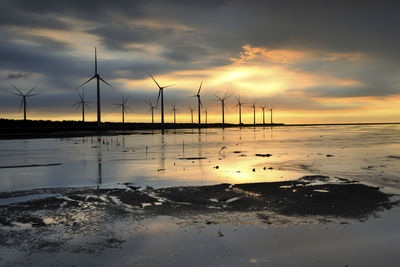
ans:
(313, 61)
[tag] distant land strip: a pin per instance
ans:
(19, 129)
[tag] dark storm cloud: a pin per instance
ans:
(209, 33)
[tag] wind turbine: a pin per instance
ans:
(161, 93)
(123, 107)
(82, 103)
(222, 99)
(152, 107)
(254, 112)
(271, 108)
(263, 113)
(199, 104)
(24, 96)
(174, 110)
(191, 112)
(205, 111)
(239, 105)
(98, 78)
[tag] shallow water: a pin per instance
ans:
(369, 154)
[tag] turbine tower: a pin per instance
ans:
(174, 110)
(222, 99)
(263, 113)
(239, 105)
(161, 93)
(98, 79)
(271, 108)
(82, 103)
(24, 96)
(205, 112)
(254, 112)
(123, 107)
(151, 109)
(199, 104)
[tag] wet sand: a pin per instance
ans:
(89, 224)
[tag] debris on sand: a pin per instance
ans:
(192, 158)
(31, 165)
(264, 155)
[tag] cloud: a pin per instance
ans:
(305, 50)
(19, 75)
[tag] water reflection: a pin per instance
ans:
(367, 153)
(99, 163)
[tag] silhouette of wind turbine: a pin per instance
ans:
(98, 78)
(254, 112)
(222, 99)
(174, 110)
(263, 113)
(123, 107)
(199, 104)
(191, 112)
(205, 112)
(161, 93)
(152, 107)
(82, 103)
(271, 108)
(239, 105)
(24, 96)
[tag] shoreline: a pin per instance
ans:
(19, 129)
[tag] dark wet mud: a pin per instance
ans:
(82, 219)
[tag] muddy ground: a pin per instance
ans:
(82, 220)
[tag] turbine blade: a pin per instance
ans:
(77, 107)
(86, 105)
(30, 91)
(20, 105)
(14, 93)
(217, 97)
(86, 82)
(33, 95)
(16, 89)
(168, 86)
(201, 104)
(155, 81)
(158, 97)
(80, 96)
(198, 92)
(95, 60)
(107, 83)
(76, 103)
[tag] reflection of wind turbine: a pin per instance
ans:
(191, 112)
(161, 93)
(174, 110)
(199, 104)
(24, 96)
(239, 105)
(82, 103)
(222, 99)
(263, 113)
(123, 106)
(98, 78)
(151, 109)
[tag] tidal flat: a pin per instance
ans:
(307, 196)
